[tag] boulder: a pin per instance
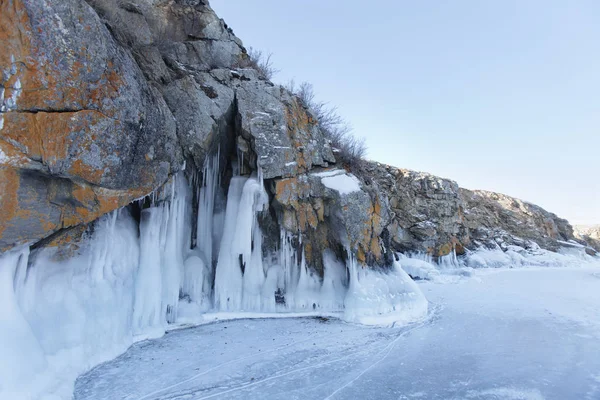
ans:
(81, 131)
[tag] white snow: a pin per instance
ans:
(329, 173)
(342, 183)
(3, 157)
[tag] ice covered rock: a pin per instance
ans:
(383, 298)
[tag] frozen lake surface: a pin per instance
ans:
(499, 334)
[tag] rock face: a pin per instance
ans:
(436, 216)
(503, 219)
(102, 101)
(81, 130)
(590, 234)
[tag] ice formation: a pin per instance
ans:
(424, 266)
(133, 278)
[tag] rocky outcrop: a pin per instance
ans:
(333, 210)
(427, 210)
(102, 101)
(589, 234)
(497, 218)
(81, 130)
(434, 215)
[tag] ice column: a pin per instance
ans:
(164, 241)
(16, 336)
(228, 275)
(206, 207)
(240, 273)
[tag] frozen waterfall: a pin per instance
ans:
(131, 280)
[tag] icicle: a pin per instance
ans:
(147, 307)
(228, 274)
(195, 283)
(289, 260)
(164, 239)
(307, 293)
(175, 245)
(449, 261)
(241, 247)
(335, 282)
(206, 207)
(254, 275)
(16, 335)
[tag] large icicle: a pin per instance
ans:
(177, 238)
(206, 207)
(241, 249)
(148, 306)
(228, 275)
(164, 239)
(16, 336)
(288, 258)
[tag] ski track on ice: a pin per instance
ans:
(386, 350)
(322, 364)
(389, 347)
(192, 391)
(183, 382)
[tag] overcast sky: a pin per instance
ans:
(497, 95)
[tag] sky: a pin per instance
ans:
(496, 95)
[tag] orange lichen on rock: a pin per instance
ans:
(50, 81)
(10, 156)
(85, 171)
(299, 123)
(41, 135)
(299, 214)
(445, 249)
(95, 202)
(53, 138)
(9, 199)
(306, 216)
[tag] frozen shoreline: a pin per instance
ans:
(505, 334)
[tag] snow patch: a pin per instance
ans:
(326, 174)
(4, 159)
(342, 183)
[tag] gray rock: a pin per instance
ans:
(76, 107)
(284, 135)
(202, 108)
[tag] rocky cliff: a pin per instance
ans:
(589, 234)
(104, 101)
